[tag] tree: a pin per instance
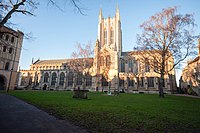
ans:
(81, 61)
(26, 7)
(166, 36)
(9, 7)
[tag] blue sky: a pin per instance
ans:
(57, 32)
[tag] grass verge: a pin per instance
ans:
(123, 113)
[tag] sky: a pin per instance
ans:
(56, 32)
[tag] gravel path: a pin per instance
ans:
(16, 116)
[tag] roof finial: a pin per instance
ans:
(117, 12)
(100, 14)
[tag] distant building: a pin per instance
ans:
(10, 50)
(190, 77)
(111, 68)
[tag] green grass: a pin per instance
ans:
(123, 113)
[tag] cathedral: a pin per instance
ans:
(110, 69)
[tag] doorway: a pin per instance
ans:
(2, 83)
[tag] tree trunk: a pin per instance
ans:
(161, 86)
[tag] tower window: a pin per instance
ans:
(7, 66)
(7, 37)
(4, 48)
(108, 60)
(112, 36)
(10, 50)
(12, 39)
(105, 36)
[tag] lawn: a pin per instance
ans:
(123, 113)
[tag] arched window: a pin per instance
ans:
(112, 36)
(53, 79)
(130, 82)
(7, 37)
(105, 36)
(79, 79)
(7, 65)
(108, 60)
(70, 79)
(121, 82)
(12, 39)
(88, 80)
(4, 48)
(101, 61)
(104, 81)
(62, 77)
(46, 77)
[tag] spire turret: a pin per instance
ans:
(100, 15)
(117, 13)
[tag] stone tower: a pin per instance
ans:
(108, 48)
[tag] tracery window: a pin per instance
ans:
(112, 36)
(104, 81)
(105, 37)
(150, 81)
(70, 79)
(88, 80)
(79, 79)
(46, 77)
(62, 77)
(108, 60)
(53, 79)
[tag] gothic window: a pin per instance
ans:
(46, 77)
(62, 77)
(130, 65)
(88, 80)
(4, 48)
(70, 79)
(79, 79)
(130, 82)
(147, 68)
(108, 60)
(104, 81)
(105, 36)
(150, 81)
(101, 61)
(141, 82)
(53, 79)
(7, 66)
(121, 82)
(10, 50)
(112, 36)
(122, 66)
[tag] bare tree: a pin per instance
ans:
(27, 7)
(166, 36)
(81, 61)
(9, 7)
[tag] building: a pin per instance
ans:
(190, 77)
(111, 69)
(10, 50)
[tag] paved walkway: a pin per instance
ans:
(17, 116)
(186, 95)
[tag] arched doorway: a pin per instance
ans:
(2, 83)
